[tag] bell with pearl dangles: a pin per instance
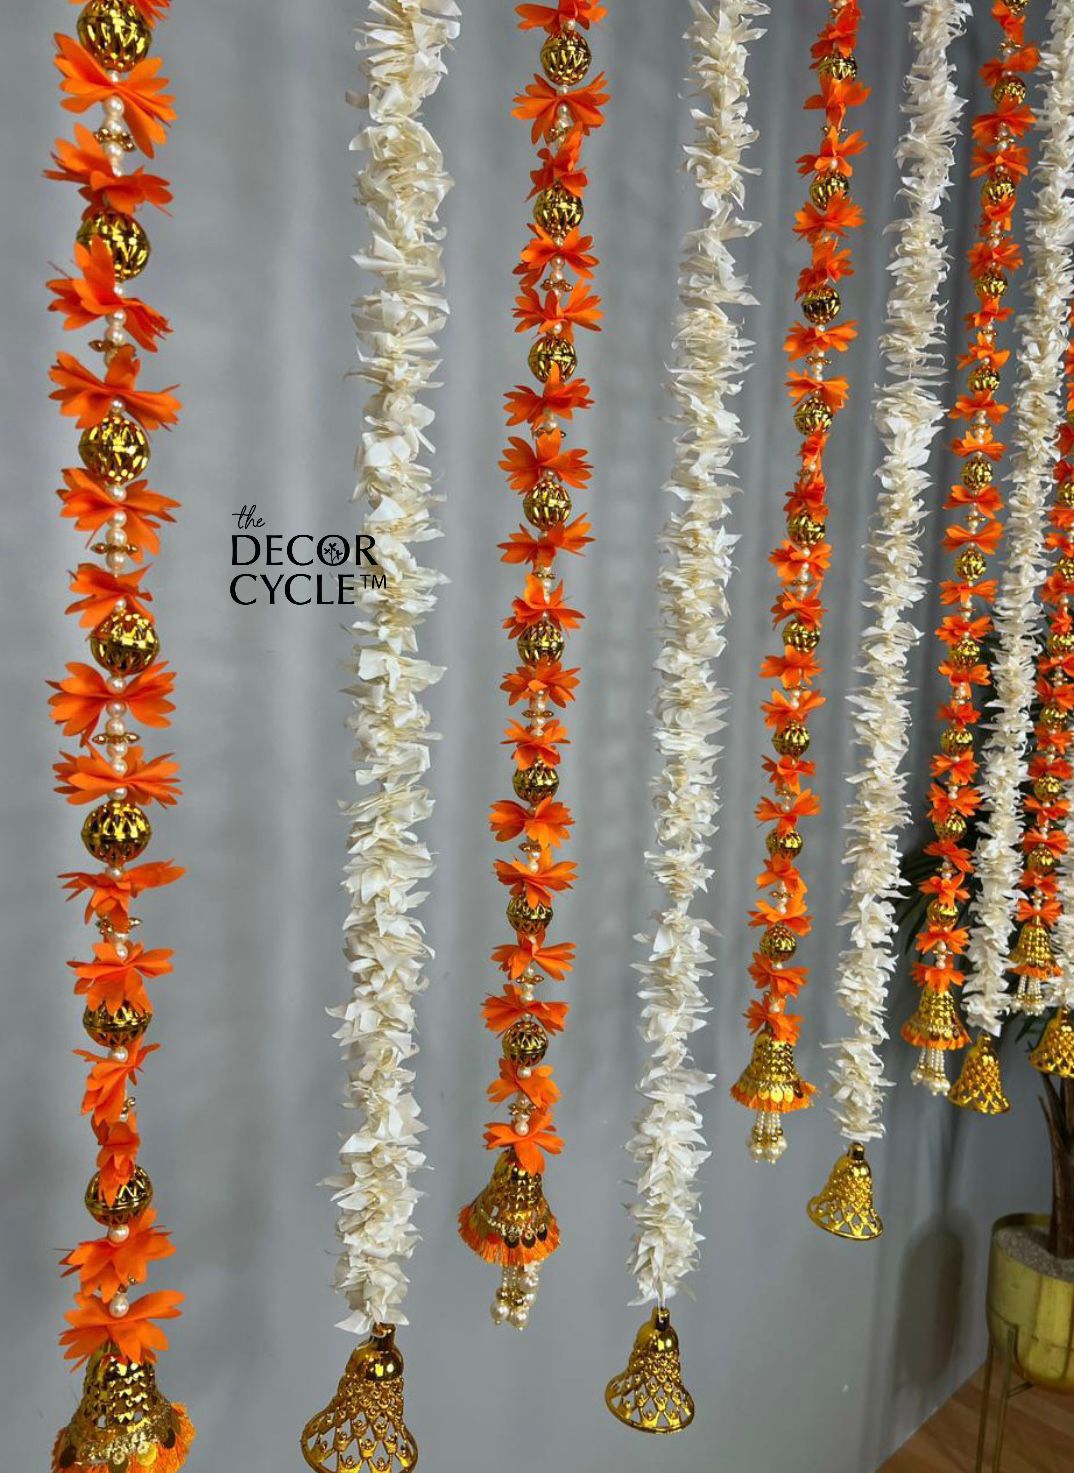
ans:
(937, 1030)
(510, 1223)
(362, 1429)
(650, 1396)
(771, 1085)
(123, 1422)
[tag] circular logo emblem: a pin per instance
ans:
(333, 550)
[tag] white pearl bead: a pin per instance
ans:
(119, 1306)
(116, 561)
(117, 405)
(121, 605)
(116, 534)
(119, 1055)
(122, 952)
(119, 792)
(119, 493)
(116, 708)
(113, 106)
(116, 726)
(115, 871)
(119, 1234)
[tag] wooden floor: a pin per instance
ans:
(1040, 1435)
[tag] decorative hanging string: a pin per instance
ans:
(771, 1085)
(1038, 411)
(401, 188)
(908, 414)
(710, 360)
(936, 1028)
(122, 1420)
(510, 1222)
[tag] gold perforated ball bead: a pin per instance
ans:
(786, 846)
(1061, 642)
(792, 740)
(837, 66)
(1054, 717)
(1064, 495)
(116, 832)
(827, 186)
(951, 827)
(557, 211)
(971, 564)
(984, 379)
(999, 188)
(116, 1030)
(533, 783)
(525, 1042)
(1041, 860)
(812, 416)
(964, 653)
(552, 350)
(990, 284)
(116, 450)
(125, 643)
(131, 1200)
(566, 58)
(548, 504)
(1010, 89)
(821, 305)
(1048, 788)
(115, 33)
(1017, 7)
(541, 641)
(939, 913)
(779, 942)
(800, 636)
(804, 530)
(977, 473)
(127, 242)
(528, 920)
(1065, 568)
(955, 739)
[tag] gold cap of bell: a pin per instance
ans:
(362, 1430)
(123, 1423)
(649, 1396)
(1033, 948)
(980, 1084)
(845, 1207)
(935, 1023)
(1055, 1052)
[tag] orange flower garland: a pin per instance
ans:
(1001, 161)
(510, 1223)
(123, 1420)
(771, 1084)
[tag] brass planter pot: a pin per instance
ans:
(1031, 1312)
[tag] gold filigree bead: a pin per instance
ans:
(1048, 788)
(1010, 89)
(125, 643)
(1061, 642)
(115, 33)
(792, 740)
(541, 641)
(525, 1042)
(827, 186)
(566, 58)
(939, 913)
(787, 846)
(805, 531)
(116, 450)
(552, 350)
(130, 1201)
(539, 780)
(116, 1030)
(999, 188)
(1064, 495)
(557, 211)
(951, 827)
(964, 653)
(1017, 7)
(971, 564)
(812, 416)
(800, 636)
(990, 285)
(1053, 716)
(1041, 860)
(526, 919)
(977, 473)
(984, 379)
(779, 942)
(1065, 568)
(839, 67)
(821, 305)
(549, 503)
(125, 238)
(116, 832)
(955, 739)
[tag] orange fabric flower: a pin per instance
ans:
(85, 163)
(106, 1086)
(136, 1336)
(104, 1267)
(87, 298)
(110, 896)
(556, 398)
(87, 398)
(100, 592)
(528, 1148)
(553, 18)
(536, 1084)
(147, 107)
(118, 1156)
(501, 1009)
(574, 251)
(80, 700)
(541, 102)
(545, 678)
(110, 982)
(539, 603)
(548, 824)
(87, 778)
(538, 886)
(90, 505)
(525, 464)
(556, 961)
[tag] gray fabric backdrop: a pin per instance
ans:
(799, 1349)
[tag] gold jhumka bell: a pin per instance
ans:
(511, 1223)
(1055, 1052)
(362, 1430)
(845, 1207)
(1034, 960)
(771, 1085)
(123, 1423)
(649, 1396)
(980, 1084)
(936, 1029)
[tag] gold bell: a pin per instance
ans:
(649, 1396)
(936, 1029)
(511, 1223)
(362, 1430)
(1034, 948)
(1055, 1052)
(771, 1085)
(123, 1423)
(980, 1085)
(845, 1207)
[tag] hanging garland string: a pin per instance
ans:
(510, 1222)
(1038, 413)
(908, 415)
(771, 1085)
(122, 1419)
(1001, 161)
(710, 361)
(401, 187)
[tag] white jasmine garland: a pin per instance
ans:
(1038, 407)
(401, 189)
(711, 357)
(908, 415)
(1063, 935)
